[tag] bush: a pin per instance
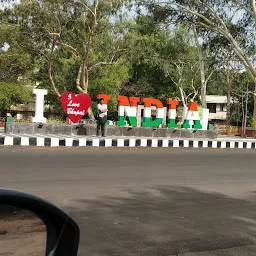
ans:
(13, 94)
(55, 121)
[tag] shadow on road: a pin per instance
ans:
(165, 221)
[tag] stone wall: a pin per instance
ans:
(63, 129)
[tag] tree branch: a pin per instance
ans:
(243, 6)
(103, 62)
(95, 4)
(195, 91)
(179, 83)
(78, 79)
(87, 48)
(56, 37)
(55, 34)
(186, 10)
(208, 78)
(223, 31)
(216, 15)
(54, 43)
(183, 98)
(84, 65)
(253, 3)
(85, 78)
(172, 79)
(71, 49)
(238, 51)
(86, 7)
(234, 13)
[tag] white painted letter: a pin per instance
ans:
(39, 110)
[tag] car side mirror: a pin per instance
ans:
(62, 233)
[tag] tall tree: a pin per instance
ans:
(234, 21)
(16, 62)
(155, 52)
(146, 44)
(204, 78)
(82, 32)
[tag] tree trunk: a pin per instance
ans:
(202, 69)
(182, 95)
(90, 114)
(242, 134)
(254, 108)
(246, 110)
(203, 79)
(203, 94)
(228, 100)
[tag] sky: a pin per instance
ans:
(4, 5)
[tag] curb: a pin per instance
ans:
(119, 142)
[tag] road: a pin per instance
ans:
(149, 202)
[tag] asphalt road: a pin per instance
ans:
(148, 202)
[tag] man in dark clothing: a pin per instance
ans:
(102, 113)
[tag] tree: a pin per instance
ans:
(181, 65)
(16, 63)
(182, 69)
(153, 52)
(243, 92)
(145, 44)
(77, 32)
(219, 17)
(204, 79)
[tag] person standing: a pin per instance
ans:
(102, 113)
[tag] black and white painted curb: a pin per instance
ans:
(123, 142)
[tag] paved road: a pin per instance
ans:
(149, 202)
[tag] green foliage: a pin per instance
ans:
(55, 121)
(252, 122)
(154, 50)
(108, 80)
(15, 60)
(146, 51)
(13, 94)
(76, 22)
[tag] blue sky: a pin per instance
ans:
(4, 5)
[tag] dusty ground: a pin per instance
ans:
(21, 234)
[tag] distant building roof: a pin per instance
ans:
(30, 107)
(216, 99)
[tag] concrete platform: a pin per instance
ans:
(90, 130)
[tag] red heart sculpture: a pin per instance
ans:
(75, 106)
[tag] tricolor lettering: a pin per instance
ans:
(147, 122)
(172, 113)
(127, 106)
(192, 114)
